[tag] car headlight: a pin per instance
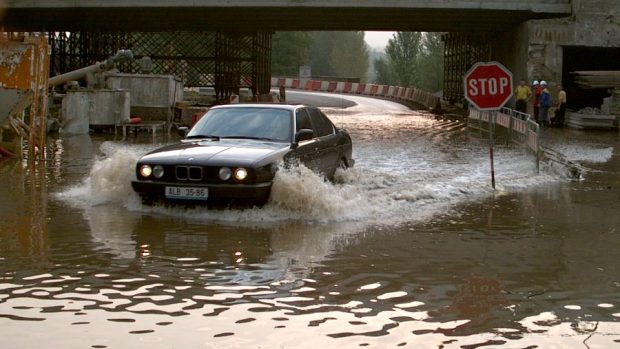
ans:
(146, 171)
(241, 173)
(158, 171)
(225, 173)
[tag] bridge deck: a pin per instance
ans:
(266, 15)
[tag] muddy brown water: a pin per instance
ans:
(411, 248)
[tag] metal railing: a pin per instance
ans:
(520, 127)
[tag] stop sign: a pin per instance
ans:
(488, 85)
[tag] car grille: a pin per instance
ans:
(188, 173)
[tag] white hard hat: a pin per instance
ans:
(543, 82)
(535, 82)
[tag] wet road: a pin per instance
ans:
(411, 248)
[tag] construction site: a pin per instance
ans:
(78, 81)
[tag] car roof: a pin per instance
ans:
(290, 107)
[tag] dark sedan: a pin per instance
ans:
(233, 152)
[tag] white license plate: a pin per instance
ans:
(190, 193)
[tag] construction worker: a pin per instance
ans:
(535, 102)
(544, 104)
(522, 93)
(561, 111)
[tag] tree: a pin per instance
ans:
(320, 53)
(339, 54)
(349, 56)
(289, 51)
(403, 50)
(431, 63)
(382, 71)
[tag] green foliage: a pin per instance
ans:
(403, 51)
(333, 54)
(412, 59)
(289, 51)
(382, 71)
(431, 63)
(339, 54)
(320, 53)
(349, 56)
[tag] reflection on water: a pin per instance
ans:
(410, 249)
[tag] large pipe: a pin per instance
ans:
(95, 68)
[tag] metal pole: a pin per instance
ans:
(491, 141)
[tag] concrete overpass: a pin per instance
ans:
(535, 39)
(275, 15)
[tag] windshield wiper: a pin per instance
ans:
(215, 138)
(251, 137)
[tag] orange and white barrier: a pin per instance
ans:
(411, 94)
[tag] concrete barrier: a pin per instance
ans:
(383, 90)
(408, 92)
(401, 93)
(323, 85)
(395, 92)
(331, 87)
(313, 85)
(360, 88)
(366, 90)
(340, 86)
(348, 86)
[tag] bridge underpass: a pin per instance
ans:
(275, 15)
(227, 46)
(230, 42)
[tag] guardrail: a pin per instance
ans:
(521, 129)
(399, 93)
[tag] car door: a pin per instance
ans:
(307, 150)
(328, 152)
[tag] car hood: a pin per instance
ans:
(250, 153)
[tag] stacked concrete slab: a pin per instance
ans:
(607, 117)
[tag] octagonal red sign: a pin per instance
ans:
(488, 85)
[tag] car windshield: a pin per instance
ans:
(253, 123)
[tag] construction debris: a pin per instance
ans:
(597, 79)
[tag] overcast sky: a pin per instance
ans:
(377, 40)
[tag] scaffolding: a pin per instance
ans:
(225, 61)
(24, 71)
(461, 51)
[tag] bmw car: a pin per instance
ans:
(232, 153)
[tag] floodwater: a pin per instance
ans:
(412, 248)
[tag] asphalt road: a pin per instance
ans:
(319, 99)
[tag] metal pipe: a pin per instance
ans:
(95, 68)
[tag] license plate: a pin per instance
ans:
(189, 193)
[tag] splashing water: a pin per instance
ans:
(410, 167)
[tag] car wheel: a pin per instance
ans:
(342, 165)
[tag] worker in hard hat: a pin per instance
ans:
(537, 90)
(544, 104)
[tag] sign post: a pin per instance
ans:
(488, 86)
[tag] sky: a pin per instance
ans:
(378, 40)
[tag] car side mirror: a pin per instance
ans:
(183, 131)
(304, 134)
